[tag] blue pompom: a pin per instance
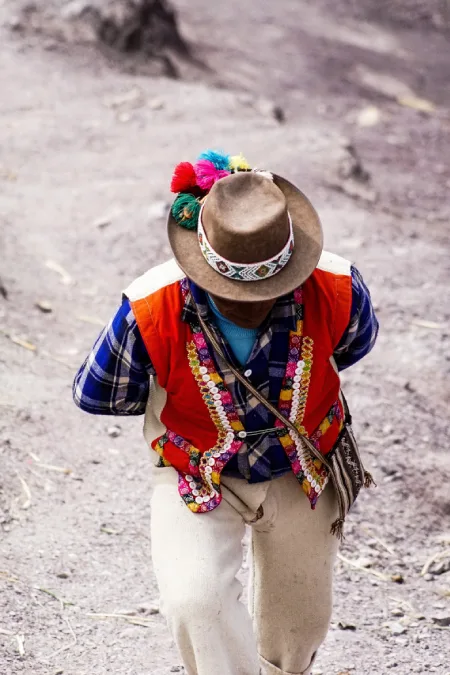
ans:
(219, 159)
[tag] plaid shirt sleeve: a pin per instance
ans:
(362, 330)
(114, 379)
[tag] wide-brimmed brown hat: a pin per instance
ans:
(259, 237)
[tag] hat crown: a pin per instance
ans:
(245, 218)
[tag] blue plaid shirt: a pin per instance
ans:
(114, 379)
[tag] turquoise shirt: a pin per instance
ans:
(241, 340)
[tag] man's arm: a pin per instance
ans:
(362, 330)
(114, 379)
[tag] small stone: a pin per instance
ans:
(368, 116)
(397, 629)
(74, 9)
(270, 109)
(397, 612)
(176, 669)
(442, 568)
(344, 625)
(114, 431)
(15, 24)
(441, 620)
(146, 608)
(317, 671)
(279, 114)
(44, 306)
(364, 562)
(428, 577)
(63, 575)
(156, 104)
(157, 210)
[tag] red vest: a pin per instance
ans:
(202, 429)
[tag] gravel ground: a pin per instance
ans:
(353, 108)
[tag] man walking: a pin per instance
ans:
(232, 351)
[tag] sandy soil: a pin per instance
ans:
(353, 107)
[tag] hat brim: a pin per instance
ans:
(308, 245)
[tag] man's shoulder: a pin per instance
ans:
(155, 279)
(334, 264)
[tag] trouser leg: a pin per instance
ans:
(196, 558)
(292, 565)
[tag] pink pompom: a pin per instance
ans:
(207, 174)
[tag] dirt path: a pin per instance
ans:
(85, 157)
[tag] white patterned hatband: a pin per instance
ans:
(244, 271)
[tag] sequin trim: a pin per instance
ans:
(200, 489)
(310, 473)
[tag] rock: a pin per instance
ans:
(15, 24)
(397, 628)
(441, 620)
(428, 577)
(63, 575)
(114, 431)
(104, 221)
(44, 306)
(176, 669)
(148, 609)
(74, 9)
(344, 625)
(270, 109)
(3, 290)
(364, 562)
(441, 568)
(397, 612)
(132, 27)
(157, 210)
(369, 116)
(156, 104)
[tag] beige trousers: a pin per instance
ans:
(196, 558)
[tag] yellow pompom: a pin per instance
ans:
(239, 163)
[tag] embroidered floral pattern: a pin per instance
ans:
(200, 489)
(310, 473)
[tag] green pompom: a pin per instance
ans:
(186, 210)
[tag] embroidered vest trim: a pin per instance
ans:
(200, 489)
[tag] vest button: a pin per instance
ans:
(248, 373)
(242, 434)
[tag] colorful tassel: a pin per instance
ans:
(186, 210)
(183, 177)
(238, 163)
(207, 174)
(219, 159)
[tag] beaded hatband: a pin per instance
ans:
(244, 271)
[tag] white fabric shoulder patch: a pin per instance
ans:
(330, 262)
(153, 280)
